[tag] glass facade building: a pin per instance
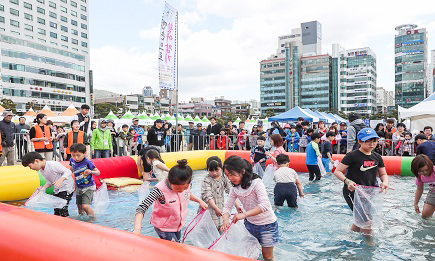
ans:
(45, 53)
(316, 82)
(410, 65)
(358, 81)
(273, 85)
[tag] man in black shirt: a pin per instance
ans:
(425, 146)
(213, 128)
(156, 135)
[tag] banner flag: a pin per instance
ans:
(168, 49)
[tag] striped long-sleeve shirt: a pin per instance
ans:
(155, 194)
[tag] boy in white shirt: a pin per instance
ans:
(286, 182)
(55, 174)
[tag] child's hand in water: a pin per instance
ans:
(417, 209)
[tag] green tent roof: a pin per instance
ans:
(128, 115)
(111, 116)
(188, 118)
(143, 116)
(155, 117)
(197, 119)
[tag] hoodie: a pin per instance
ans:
(352, 133)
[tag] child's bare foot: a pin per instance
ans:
(91, 219)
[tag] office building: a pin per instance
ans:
(431, 74)
(309, 34)
(335, 76)
(45, 53)
(357, 81)
(273, 95)
(384, 100)
(222, 104)
(410, 65)
(316, 82)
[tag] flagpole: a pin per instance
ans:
(176, 55)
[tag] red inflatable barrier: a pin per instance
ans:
(29, 235)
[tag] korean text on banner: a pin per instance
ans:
(168, 49)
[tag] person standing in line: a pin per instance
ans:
(84, 119)
(199, 136)
(74, 136)
(189, 137)
(428, 132)
(157, 134)
(140, 131)
(356, 124)
(7, 128)
(343, 134)
(390, 126)
(101, 141)
(22, 130)
(40, 135)
(213, 128)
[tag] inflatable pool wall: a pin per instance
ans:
(18, 182)
(33, 236)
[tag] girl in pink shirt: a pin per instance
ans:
(260, 220)
(423, 169)
(276, 141)
(171, 197)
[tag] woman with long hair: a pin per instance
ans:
(40, 135)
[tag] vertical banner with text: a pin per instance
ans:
(168, 49)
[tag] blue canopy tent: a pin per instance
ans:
(338, 119)
(341, 118)
(329, 118)
(318, 115)
(293, 115)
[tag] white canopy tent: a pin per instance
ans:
(421, 114)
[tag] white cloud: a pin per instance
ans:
(226, 62)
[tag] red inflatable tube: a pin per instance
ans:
(115, 167)
(29, 235)
(393, 165)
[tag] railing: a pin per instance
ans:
(183, 142)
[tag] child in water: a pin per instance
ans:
(159, 169)
(287, 183)
(423, 170)
(260, 220)
(362, 167)
(312, 154)
(171, 197)
(212, 190)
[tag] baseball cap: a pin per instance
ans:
(343, 123)
(366, 134)
(286, 125)
(159, 121)
(135, 119)
(199, 125)
(191, 122)
(7, 113)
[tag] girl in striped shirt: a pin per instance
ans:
(260, 220)
(171, 197)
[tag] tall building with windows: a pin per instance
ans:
(335, 76)
(357, 81)
(316, 82)
(45, 53)
(431, 74)
(410, 65)
(273, 85)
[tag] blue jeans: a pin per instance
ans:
(325, 162)
(170, 236)
(102, 154)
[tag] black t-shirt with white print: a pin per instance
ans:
(363, 168)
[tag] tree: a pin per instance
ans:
(8, 104)
(141, 109)
(35, 106)
(102, 109)
(269, 113)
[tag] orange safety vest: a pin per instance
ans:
(40, 145)
(80, 139)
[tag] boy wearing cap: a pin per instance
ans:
(426, 147)
(362, 167)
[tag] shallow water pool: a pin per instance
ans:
(320, 228)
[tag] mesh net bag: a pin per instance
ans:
(202, 231)
(367, 207)
(40, 199)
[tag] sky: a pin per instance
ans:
(221, 42)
